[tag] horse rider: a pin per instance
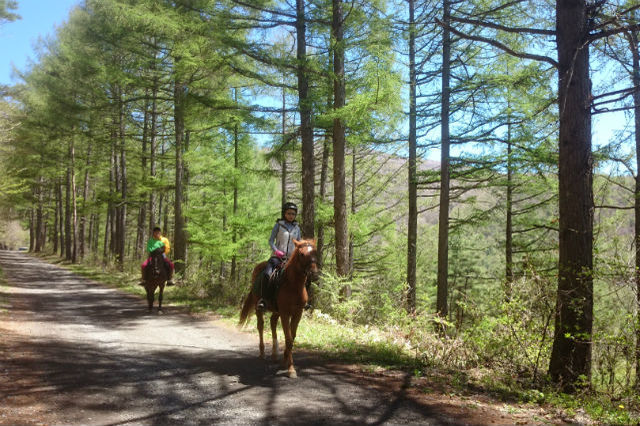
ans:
(158, 241)
(285, 230)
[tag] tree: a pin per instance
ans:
(306, 125)
(339, 184)
(443, 222)
(6, 14)
(634, 46)
(412, 218)
(571, 354)
(570, 360)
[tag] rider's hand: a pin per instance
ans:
(279, 253)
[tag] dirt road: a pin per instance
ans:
(73, 351)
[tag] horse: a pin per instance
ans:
(155, 276)
(290, 300)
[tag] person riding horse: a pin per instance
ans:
(284, 232)
(158, 242)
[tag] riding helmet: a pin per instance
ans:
(289, 206)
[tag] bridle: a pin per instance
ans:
(307, 270)
(156, 265)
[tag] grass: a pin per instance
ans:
(374, 349)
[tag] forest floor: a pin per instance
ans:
(74, 351)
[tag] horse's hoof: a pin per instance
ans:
(160, 312)
(292, 374)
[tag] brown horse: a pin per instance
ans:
(290, 300)
(155, 276)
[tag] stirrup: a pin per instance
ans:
(170, 283)
(261, 305)
(308, 306)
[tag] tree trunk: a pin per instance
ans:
(339, 191)
(61, 219)
(324, 172)
(32, 231)
(443, 225)
(122, 211)
(412, 224)
(38, 219)
(353, 212)
(141, 234)
(56, 219)
(306, 126)
(509, 226)
(109, 231)
(283, 175)
(83, 217)
(180, 236)
(95, 232)
(153, 149)
(74, 202)
(114, 189)
(236, 164)
(570, 364)
(91, 236)
(68, 243)
(635, 51)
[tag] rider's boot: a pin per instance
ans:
(262, 304)
(142, 280)
(308, 305)
(170, 280)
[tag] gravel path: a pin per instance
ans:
(75, 352)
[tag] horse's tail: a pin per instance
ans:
(246, 310)
(248, 301)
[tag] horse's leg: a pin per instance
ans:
(287, 359)
(260, 316)
(150, 292)
(295, 320)
(160, 297)
(274, 336)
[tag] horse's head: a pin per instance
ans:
(306, 255)
(157, 263)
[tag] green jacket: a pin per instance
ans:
(154, 244)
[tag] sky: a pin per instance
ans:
(17, 38)
(41, 17)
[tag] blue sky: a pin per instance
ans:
(17, 38)
(41, 17)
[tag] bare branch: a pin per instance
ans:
(501, 46)
(613, 31)
(518, 30)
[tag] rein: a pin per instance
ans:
(307, 270)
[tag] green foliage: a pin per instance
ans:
(6, 11)
(106, 87)
(515, 334)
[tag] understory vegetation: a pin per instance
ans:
(469, 219)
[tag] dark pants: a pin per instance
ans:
(265, 287)
(272, 264)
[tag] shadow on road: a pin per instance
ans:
(57, 294)
(206, 376)
(169, 386)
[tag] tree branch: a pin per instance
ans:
(518, 30)
(501, 46)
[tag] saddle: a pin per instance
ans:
(268, 288)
